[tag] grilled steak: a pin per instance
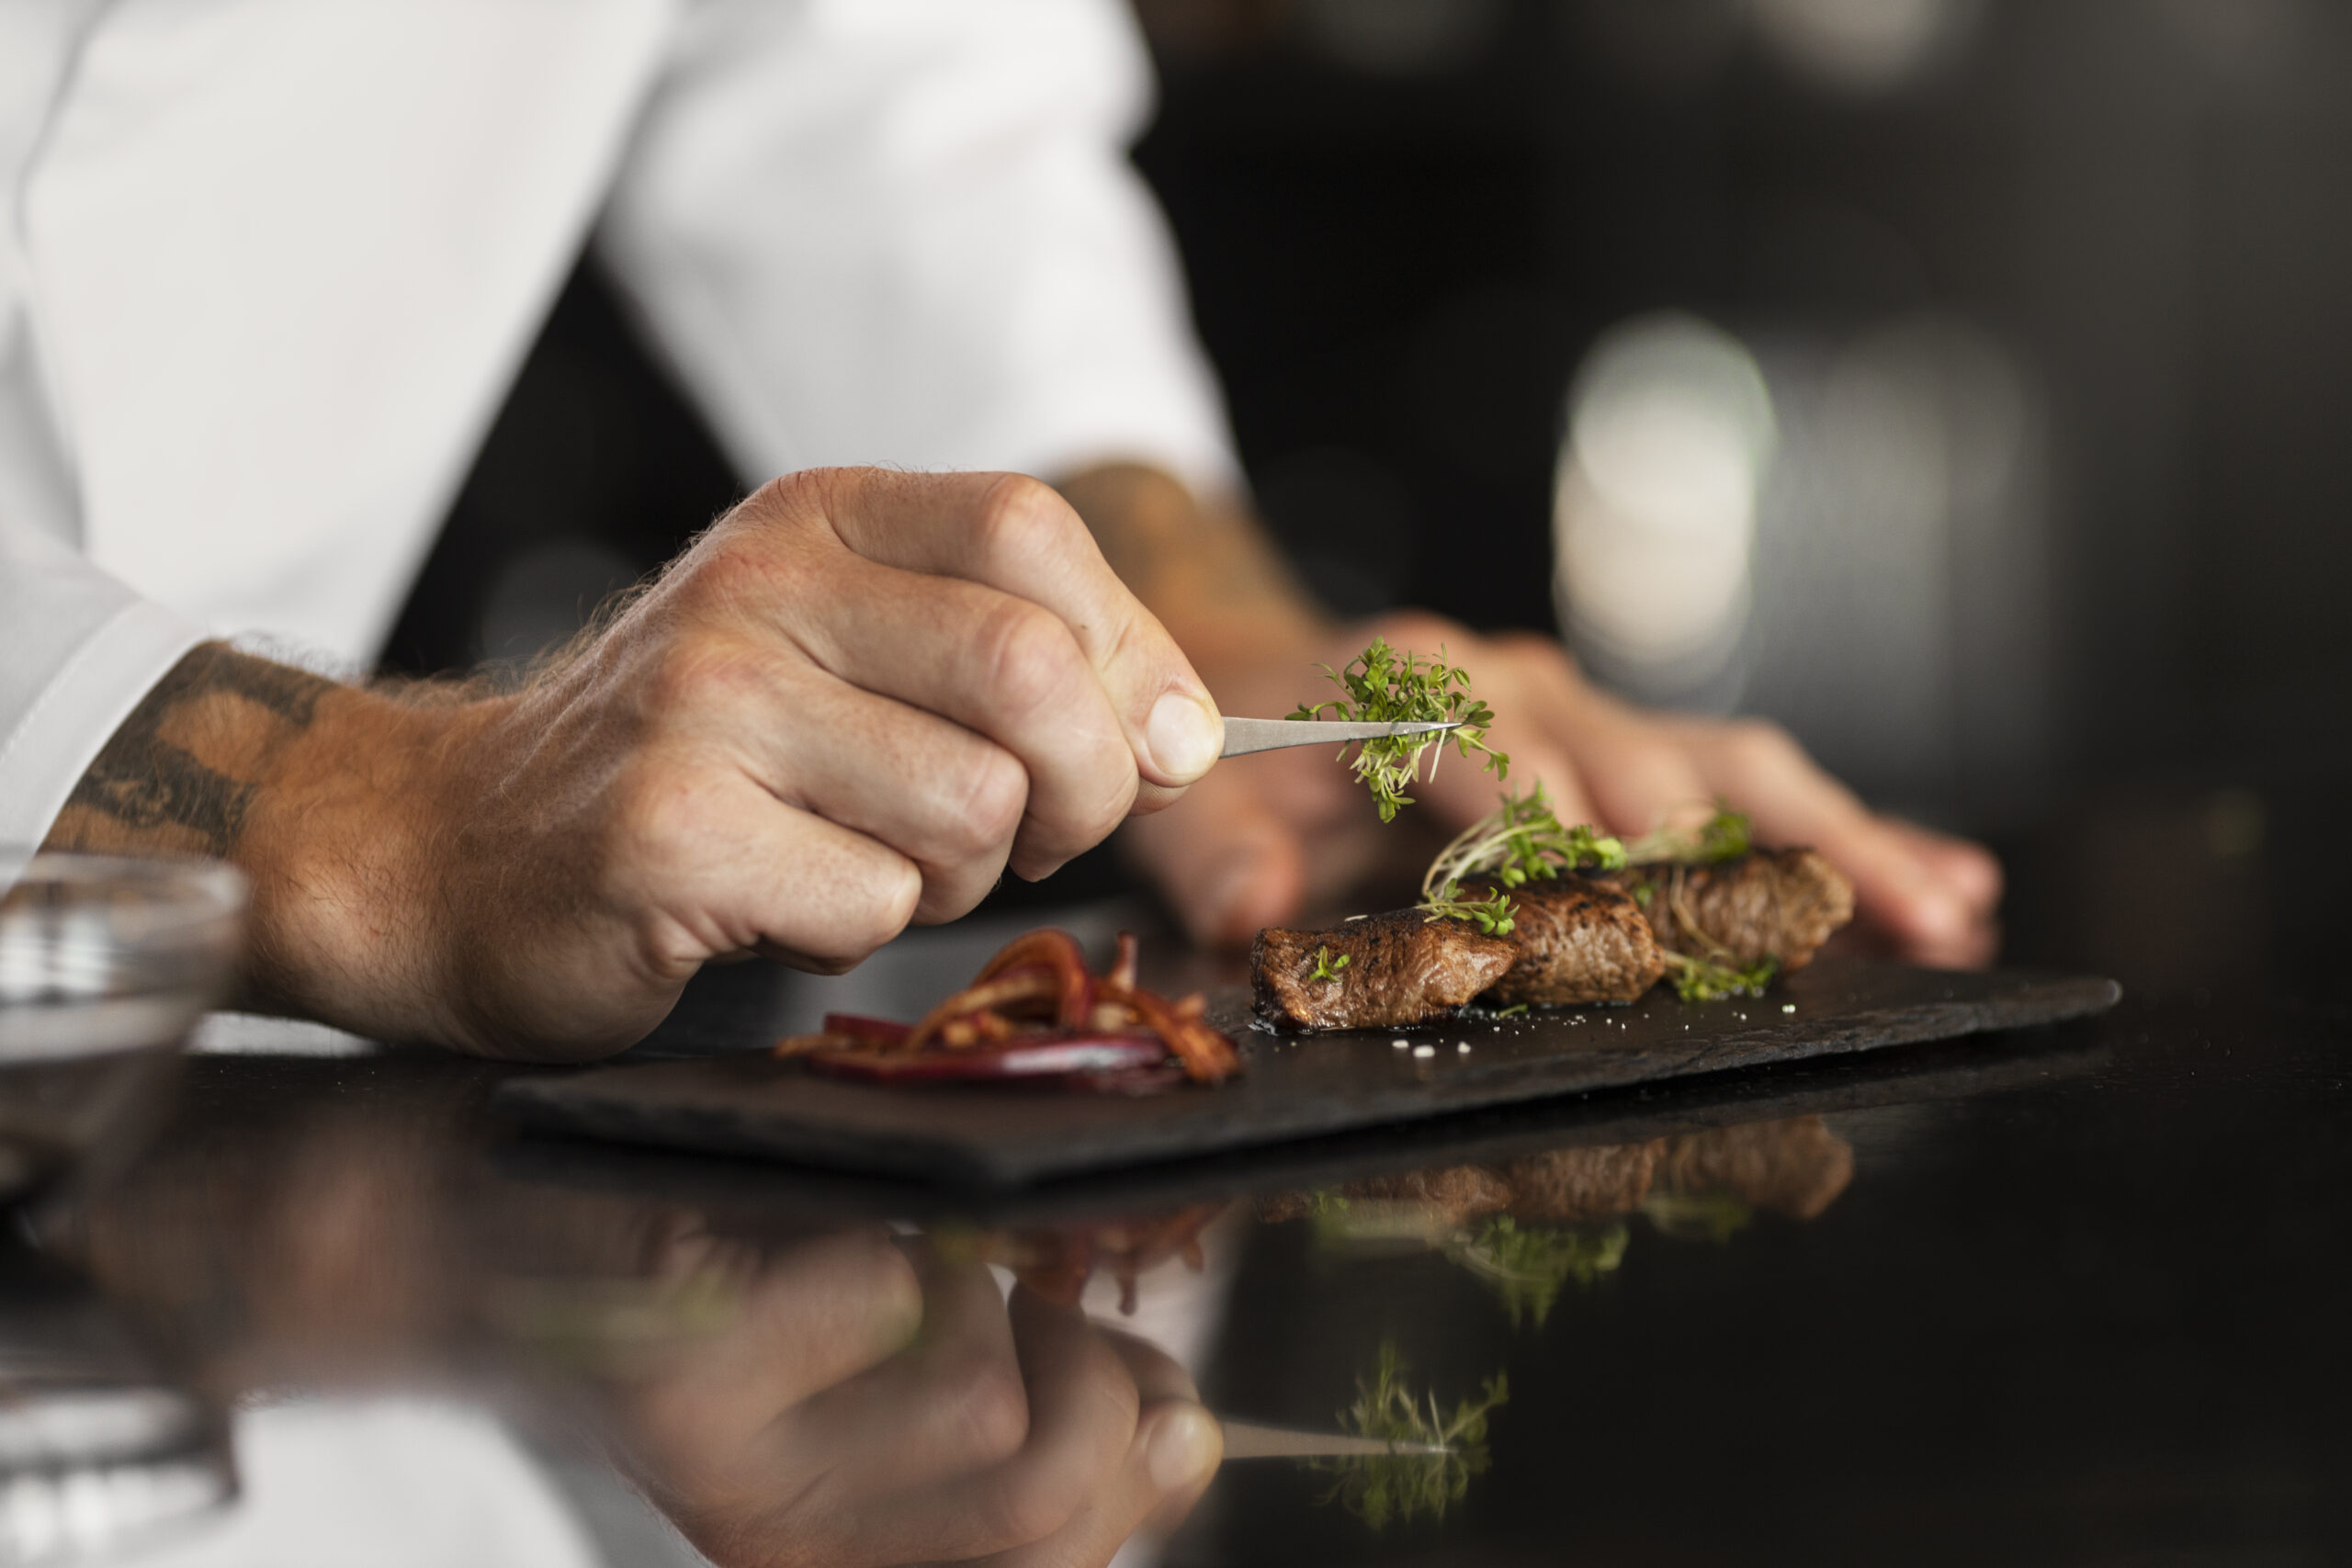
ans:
(1401, 968)
(1769, 904)
(1579, 940)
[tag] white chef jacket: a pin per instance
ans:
(268, 267)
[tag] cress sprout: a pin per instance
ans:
(1383, 687)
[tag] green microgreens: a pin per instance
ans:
(1326, 966)
(1518, 841)
(1382, 689)
(1492, 914)
(1378, 1488)
(1705, 980)
(1724, 836)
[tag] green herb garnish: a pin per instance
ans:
(1705, 980)
(1378, 1488)
(1519, 842)
(1326, 966)
(1724, 836)
(1381, 690)
(1493, 914)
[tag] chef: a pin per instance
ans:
(268, 267)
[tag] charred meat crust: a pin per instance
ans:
(1579, 940)
(1778, 904)
(1401, 969)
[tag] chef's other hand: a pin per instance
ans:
(849, 706)
(1265, 834)
(859, 1408)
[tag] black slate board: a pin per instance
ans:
(1296, 1086)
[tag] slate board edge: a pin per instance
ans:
(548, 1103)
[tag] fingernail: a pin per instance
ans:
(1184, 1449)
(1185, 737)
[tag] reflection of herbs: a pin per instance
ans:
(1697, 1216)
(1382, 689)
(1326, 966)
(1378, 1488)
(1526, 1267)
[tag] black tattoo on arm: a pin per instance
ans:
(181, 772)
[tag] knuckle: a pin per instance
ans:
(994, 794)
(1021, 519)
(987, 1410)
(702, 671)
(1026, 657)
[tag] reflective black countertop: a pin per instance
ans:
(2076, 1295)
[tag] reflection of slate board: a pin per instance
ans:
(1296, 1087)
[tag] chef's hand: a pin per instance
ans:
(849, 706)
(859, 1408)
(1263, 834)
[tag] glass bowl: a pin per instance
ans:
(106, 965)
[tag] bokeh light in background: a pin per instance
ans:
(1671, 436)
(1866, 46)
(1845, 534)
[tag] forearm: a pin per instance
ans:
(322, 793)
(1207, 570)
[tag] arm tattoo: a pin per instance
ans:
(182, 771)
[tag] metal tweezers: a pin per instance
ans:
(1243, 735)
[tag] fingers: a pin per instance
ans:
(1083, 1413)
(1933, 896)
(708, 863)
(822, 1314)
(952, 1406)
(1015, 534)
(1171, 1459)
(997, 665)
(1227, 861)
(956, 798)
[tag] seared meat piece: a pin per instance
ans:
(1767, 904)
(1402, 969)
(1579, 940)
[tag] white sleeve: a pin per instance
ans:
(77, 651)
(906, 231)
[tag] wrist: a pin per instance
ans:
(345, 843)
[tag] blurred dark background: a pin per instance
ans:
(1954, 380)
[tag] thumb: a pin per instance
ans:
(1226, 863)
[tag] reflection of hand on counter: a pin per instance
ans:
(833, 1396)
(1263, 839)
(858, 1408)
